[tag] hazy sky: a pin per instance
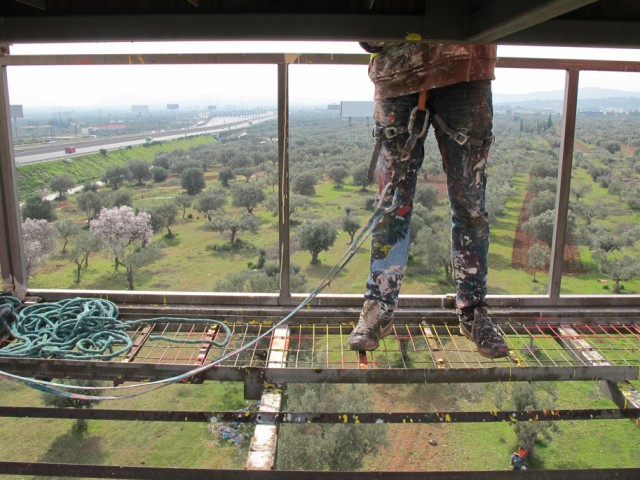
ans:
(85, 85)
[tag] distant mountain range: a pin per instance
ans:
(590, 98)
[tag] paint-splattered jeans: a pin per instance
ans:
(464, 107)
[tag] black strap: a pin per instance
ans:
(462, 138)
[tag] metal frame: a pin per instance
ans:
(534, 22)
(168, 473)
(10, 239)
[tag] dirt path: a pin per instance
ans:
(411, 447)
(523, 242)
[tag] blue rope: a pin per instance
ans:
(63, 390)
(79, 329)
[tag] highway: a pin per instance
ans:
(25, 154)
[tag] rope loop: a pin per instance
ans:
(79, 328)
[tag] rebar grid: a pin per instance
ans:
(323, 345)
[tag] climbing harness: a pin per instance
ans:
(381, 133)
(65, 390)
(389, 132)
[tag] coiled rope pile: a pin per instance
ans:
(81, 329)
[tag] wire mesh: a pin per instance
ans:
(323, 345)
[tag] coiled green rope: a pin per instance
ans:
(80, 329)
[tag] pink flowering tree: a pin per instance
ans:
(121, 231)
(40, 239)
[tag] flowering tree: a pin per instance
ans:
(40, 238)
(120, 230)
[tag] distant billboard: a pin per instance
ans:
(173, 106)
(139, 108)
(16, 111)
(356, 109)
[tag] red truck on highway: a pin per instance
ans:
(70, 150)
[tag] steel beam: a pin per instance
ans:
(257, 376)
(500, 18)
(277, 418)
(577, 33)
(14, 278)
(564, 183)
(207, 27)
(166, 473)
(284, 239)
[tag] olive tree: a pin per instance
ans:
(316, 236)
(247, 195)
(192, 180)
(232, 224)
(61, 184)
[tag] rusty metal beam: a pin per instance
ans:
(164, 473)
(292, 58)
(277, 418)
(564, 183)
(14, 278)
(138, 372)
(284, 240)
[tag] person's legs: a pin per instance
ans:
(467, 108)
(390, 238)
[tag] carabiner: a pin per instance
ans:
(412, 120)
(383, 194)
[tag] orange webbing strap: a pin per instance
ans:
(422, 101)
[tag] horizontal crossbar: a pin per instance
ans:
(164, 473)
(324, 418)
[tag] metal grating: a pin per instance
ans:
(416, 351)
(422, 345)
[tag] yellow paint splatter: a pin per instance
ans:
(413, 37)
(356, 420)
(345, 419)
(447, 418)
(383, 248)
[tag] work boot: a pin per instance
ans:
(481, 331)
(375, 322)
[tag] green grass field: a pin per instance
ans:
(194, 259)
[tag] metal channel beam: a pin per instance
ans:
(135, 372)
(577, 33)
(186, 59)
(504, 17)
(277, 418)
(290, 58)
(227, 27)
(564, 183)
(284, 239)
(14, 279)
(165, 473)
(623, 394)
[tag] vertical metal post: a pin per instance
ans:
(564, 182)
(11, 251)
(283, 182)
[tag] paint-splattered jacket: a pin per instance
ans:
(403, 68)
